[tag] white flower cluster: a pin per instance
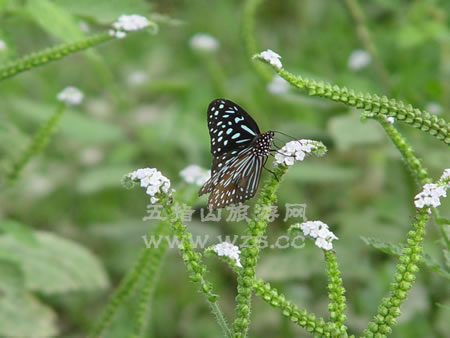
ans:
(272, 57)
(3, 45)
(430, 195)
(278, 85)
(229, 250)
(195, 174)
(319, 231)
(294, 150)
(71, 96)
(153, 180)
(358, 59)
(128, 23)
(445, 174)
(204, 42)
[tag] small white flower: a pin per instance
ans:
(390, 119)
(128, 23)
(278, 85)
(445, 174)
(204, 42)
(323, 243)
(430, 195)
(71, 96)
(91, 156)
(359, 59)
(3, 45)
(195, 174)
(84, 26)
(295, 151)
(434, 108)
(320, 232)
(272, 57)
(229, 250)
(153, 181)
(120, 34)
(137, 78)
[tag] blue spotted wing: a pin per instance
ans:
(230, 127)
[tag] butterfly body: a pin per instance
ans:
(239, 152)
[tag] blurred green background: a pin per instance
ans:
(145, 106)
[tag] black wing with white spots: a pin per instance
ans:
(230, 127)
(239, 152)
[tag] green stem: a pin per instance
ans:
(38, 143)
(414, 165)
(249, 255)
(422, 120)
(51, 54)
(364, 36)
(146, 260)
(149, 278)
(196, 269)
(308, 321)
(248, 35)
(336, 291)
(404, 277)
(215, 71)
(412, 162)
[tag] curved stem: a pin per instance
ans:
(249, 255)
(422, 120)
(38, 143)
(403, 279)
(248, 35)
(51, 54)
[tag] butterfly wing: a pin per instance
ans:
(230, 127)
(236, 181)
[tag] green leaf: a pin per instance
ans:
(13, 279)
(54, 19)
(21, 314)
(105, 10)
(72, 125)
(19, 231)
(348, 131)
(386, 247)
(396, 250)
(432, 265)
(24, 315)
(56, 264)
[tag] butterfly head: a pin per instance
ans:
(262, 143)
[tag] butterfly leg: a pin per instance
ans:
(270, 171)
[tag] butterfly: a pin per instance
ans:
(239, 152)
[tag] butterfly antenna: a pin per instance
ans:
(279, 132)
(293, 138)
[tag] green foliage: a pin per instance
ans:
(38, 143)
(54, 19)
(56, 257)
(145, 107)
(21, 313)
